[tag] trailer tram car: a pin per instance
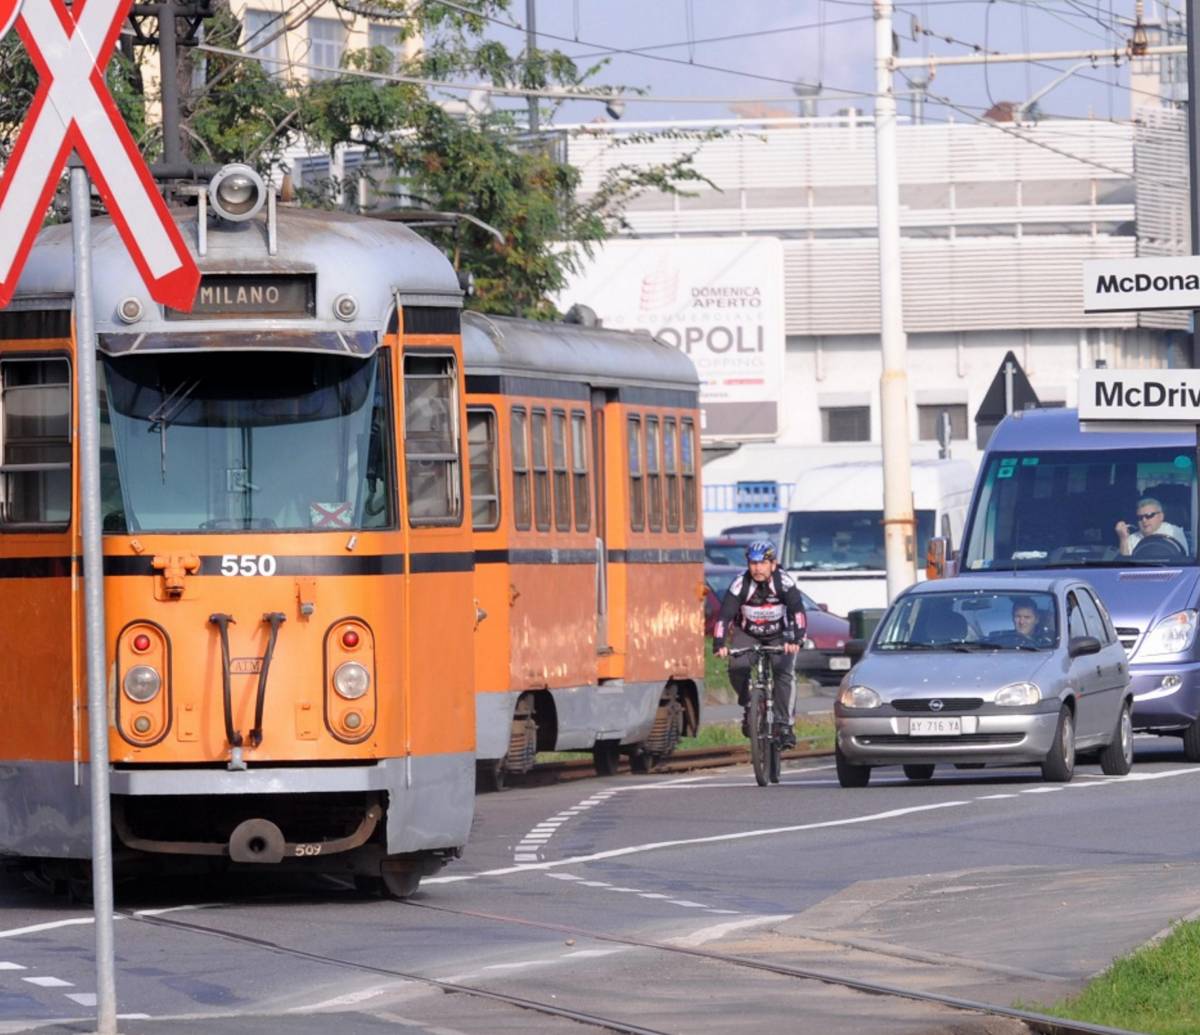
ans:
(287, 554)
(589, 558)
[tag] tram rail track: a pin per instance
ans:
(1043, 1024)
(683, 761)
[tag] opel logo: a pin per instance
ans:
(935, 705)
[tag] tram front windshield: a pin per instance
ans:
(1060, 509)
(235, 441)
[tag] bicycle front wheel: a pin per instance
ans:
(760, 734)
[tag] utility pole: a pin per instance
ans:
(898, 538)
(530, 50)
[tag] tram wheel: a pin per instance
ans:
(606, 757)
(491, 776)
(400, 883)
(641, 760)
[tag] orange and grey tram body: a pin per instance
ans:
(287, 553)
(584, 475)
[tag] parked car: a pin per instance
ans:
(761, 530)
(726, 550)
(826, 661)
(987, 669)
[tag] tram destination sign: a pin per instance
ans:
(1124, 285)
(226, 295)
(1163, 396)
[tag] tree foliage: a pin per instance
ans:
(482, 164)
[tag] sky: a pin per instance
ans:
(831, 42)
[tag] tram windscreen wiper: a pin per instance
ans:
(161, 416)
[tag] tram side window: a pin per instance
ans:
(431, 440)
(579, 462)
(687, 467)
(562, 484)
(35, 460)
(653, 476)
(520, 467)
(670, 475)
(637, 500)
(541, 472)
(485, 484)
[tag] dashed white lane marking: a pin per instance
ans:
(48, 982)
(349, 999)
(656, 896)
(994, 797)
(16, 932)
(83, 998)
(708, 934)
(530, 847)
(6, 965)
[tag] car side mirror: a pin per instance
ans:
(822, 607)
(1081, 645)
(855, 649)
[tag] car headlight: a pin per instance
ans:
(141, 683)
(351, 680)
(859, 697)
(1173, 634)
(1015, 695)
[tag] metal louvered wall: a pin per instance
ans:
(996, 220)
(1163, 220)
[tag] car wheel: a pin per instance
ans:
(1059, 765)
(919, 772)
(849, 774)
(1117, 757)
(1191, 741)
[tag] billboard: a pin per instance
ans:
(719, 299)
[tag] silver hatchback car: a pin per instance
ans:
(984, 670)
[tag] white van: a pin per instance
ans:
(832, 541)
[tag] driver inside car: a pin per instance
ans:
(1150, 522)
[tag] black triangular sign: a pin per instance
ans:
(992, 409)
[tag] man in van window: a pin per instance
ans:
(1150, 522)
(762, 605)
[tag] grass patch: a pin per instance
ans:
(1152, 990)
(716, 678)
(729, 734)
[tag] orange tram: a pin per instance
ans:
(588, 557)
(325, 528)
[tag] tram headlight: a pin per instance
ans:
(351, 680)
(237, 192)
(142, 683)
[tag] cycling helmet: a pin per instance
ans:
(760, 550)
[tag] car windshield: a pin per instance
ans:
(842, 540)
(272, 442)
(719, 551)
(966, 620)
(1062, 509)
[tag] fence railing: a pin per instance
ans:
(748, 497)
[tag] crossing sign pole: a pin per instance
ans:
(73, 111)
(93, 596)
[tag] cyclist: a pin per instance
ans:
(762, 605)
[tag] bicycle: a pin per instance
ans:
(765, 747)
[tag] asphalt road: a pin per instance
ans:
(987, 885)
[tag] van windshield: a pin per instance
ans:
(842, 540)
(1085, 509)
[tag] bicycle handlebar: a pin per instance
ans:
(758, 648)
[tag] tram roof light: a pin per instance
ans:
(237, 192)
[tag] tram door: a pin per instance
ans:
(599, 400)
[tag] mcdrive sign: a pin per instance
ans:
(1171, 396)
(720, 300)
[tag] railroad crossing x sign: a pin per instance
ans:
(73, 109)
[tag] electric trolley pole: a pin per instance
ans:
(898, 537)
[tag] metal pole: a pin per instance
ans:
(1193, 117)
(530, 50)
(168, 70)
(93, 602)
(893, 385)
(1008, 388)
